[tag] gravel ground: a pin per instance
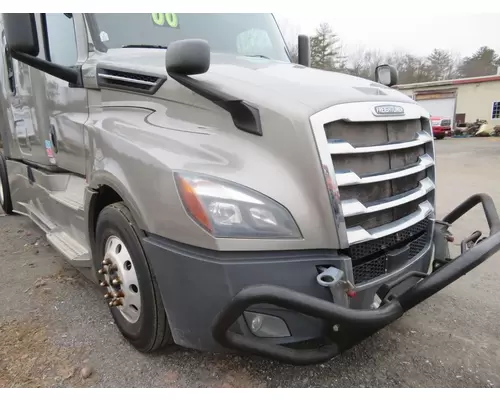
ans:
(56, 330)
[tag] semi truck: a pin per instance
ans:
(222, 197)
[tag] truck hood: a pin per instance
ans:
(250, 77)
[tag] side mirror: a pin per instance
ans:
(304, 50)
(386, 75)
(188, 57)
(22, 40)
(20, 33)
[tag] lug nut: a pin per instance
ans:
(106, 261)
(115, 281)
(114, 303)
(107, 296)
(101, 271)
(104, 283)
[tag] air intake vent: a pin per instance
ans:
(130, 81)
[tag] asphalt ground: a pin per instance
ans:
(56, 330)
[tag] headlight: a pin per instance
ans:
(229, 210)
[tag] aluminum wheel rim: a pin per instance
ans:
(120, 279)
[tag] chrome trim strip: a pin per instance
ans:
(346, 148)
(351, 178)
(125, 79)
(353, 207)
(357, 111)
(359, 234)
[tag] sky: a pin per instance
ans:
(460, 33)
(417, 26)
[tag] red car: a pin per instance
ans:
(441, 127)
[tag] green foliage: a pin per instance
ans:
(440, 64)
(326, 50)
(484, 61)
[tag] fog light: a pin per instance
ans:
(263, 325)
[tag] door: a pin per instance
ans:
(17, 125)
(63, 110)
(46, 115)
(438, 104)
(459, 119)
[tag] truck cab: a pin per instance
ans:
(222, 197)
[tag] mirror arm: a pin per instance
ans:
(65, 73)
(245, 116)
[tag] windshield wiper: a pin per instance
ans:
(257, 55)
(145, 46)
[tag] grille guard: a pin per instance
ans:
(356, 324)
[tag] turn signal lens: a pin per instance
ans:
(191, 202)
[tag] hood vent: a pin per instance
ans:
(130, 81)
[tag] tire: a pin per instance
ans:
(150, 332)
(5, 199)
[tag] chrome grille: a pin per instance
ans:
(383, 168)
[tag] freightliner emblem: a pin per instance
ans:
(388, 110)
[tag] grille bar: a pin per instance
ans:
(342, 147)
(358, 234)
(353, 207)
(351, 178)
(125, 79)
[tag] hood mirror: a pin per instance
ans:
(304, 48)
(188, 57)
(386, 75)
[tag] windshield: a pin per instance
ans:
(242, 34)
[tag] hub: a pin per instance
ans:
(120, 279)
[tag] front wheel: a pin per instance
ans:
(128, 284)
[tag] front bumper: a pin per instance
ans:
(354, 325)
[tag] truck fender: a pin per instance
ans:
(105, 178)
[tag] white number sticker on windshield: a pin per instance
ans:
(165, 19)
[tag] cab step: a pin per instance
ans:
(72, 251)
(38, 218)
(73, 194)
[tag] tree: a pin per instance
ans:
(326, 50)
(441, 66)
(411, 68)
(363, 62)
(484, 61)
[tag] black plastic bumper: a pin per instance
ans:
(355, 325)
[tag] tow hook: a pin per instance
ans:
(470, 241)
(341, 289)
